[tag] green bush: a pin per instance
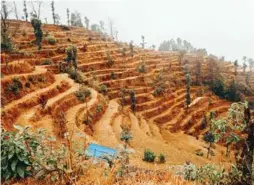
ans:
(46, 62)
(110, 62)
(75, 75)
(103, 89)
(149, 156)
(51, 39)
(112, 76)
(16, 155)
(15, 86)
(162, 158)
(99, 108)
(82, 93)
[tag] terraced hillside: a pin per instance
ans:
(35, 93)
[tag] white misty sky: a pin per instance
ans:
(223, 27)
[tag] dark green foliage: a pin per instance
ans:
(16, 153)
(68, 17)
(162, 158)
(15, 86)
(103, 89)
(133, 101)
(82, 93)
(25, 11)
(75, 75)
(71, 52)
(36, 23)
(46, 62)
(96, 27)
(143, 41)
(232, 93)
(159, 90)
(218, 87)
(126, 135)
(122, 94)
(209, 138)
(112, 76)
(53, 12)
(149, 156)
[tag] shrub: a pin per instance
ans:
(51, 39)
(126, 135)
(141, 68)
(15, 86)
(46, 62)
(16, 153)
(159, 90)
(99, 108)
(110, 62)
(103, 89)
(149, 156)
(162, 158)
(64, 28)
(112, 76)
(75, 75)
(82, 93)
(190, 171)
(41, 78)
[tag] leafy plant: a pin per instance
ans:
(209, 137)
(99, 108)
(162, 158)
(15, 86)
(75, 75)
(82, 93)
(46, 62)
(36, 23)
(149, 156)
(126, 135)
(71, 52)
(51, 39)
(110, 62)
(133, 101)
(103, 89)
(17, 149)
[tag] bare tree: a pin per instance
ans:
(111, 28)
(15, 10)
(68, 16)
(36, 13)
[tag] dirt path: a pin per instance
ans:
(104, 133)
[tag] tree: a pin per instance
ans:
(124, 55)
(102, 26)
(36, 23)
(111, 28)
(36, 13)
(236, 66)
(68, 16)
(96, 27)
(76, 19)
(131, 49)
(251, 63)
(133, 101)
(6, 42)
(198, 72)
(53, 12)
(126, 136)
(15, 10)
(232, 93)
(87, 22)
(71, 52)
(122, 94)
(209, 138)
(153, 47)
(25, 10)
(143, 41)
(188, 83)
(116, 35)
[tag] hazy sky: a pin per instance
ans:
(223, 27)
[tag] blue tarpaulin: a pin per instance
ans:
(94, 150)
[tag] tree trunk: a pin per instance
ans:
(227, 151)
(208, 150)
